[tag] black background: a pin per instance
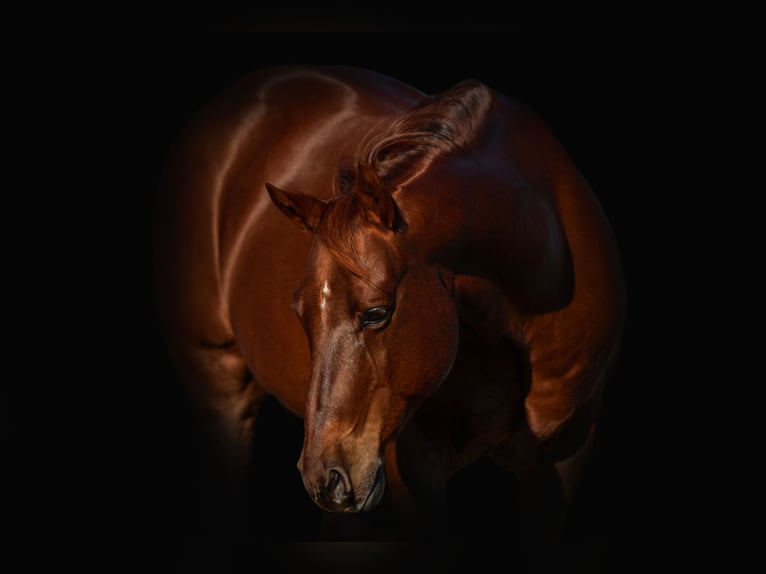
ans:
(120, 455)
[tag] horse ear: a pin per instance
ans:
(304, 210)
(374, 196)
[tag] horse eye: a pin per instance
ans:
(375, 316)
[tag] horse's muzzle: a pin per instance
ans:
(335, 492)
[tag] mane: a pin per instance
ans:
(444, 123)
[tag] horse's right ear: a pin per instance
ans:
(304, 210)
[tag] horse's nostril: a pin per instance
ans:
(336, 487)
(334, 480)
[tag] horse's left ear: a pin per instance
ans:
(304, 210)
(374, 196)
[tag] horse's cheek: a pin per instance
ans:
(427, 358)
(443, 334)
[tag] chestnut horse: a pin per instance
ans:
(424, 279)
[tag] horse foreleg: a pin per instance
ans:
(416, 477)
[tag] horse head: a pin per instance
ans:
(382, 329)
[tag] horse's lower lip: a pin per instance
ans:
(373, 498)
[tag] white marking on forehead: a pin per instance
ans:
(325, 294)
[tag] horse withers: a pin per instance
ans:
(424, 279)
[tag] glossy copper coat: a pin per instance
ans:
(424, 279)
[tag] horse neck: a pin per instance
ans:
(480, 217)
